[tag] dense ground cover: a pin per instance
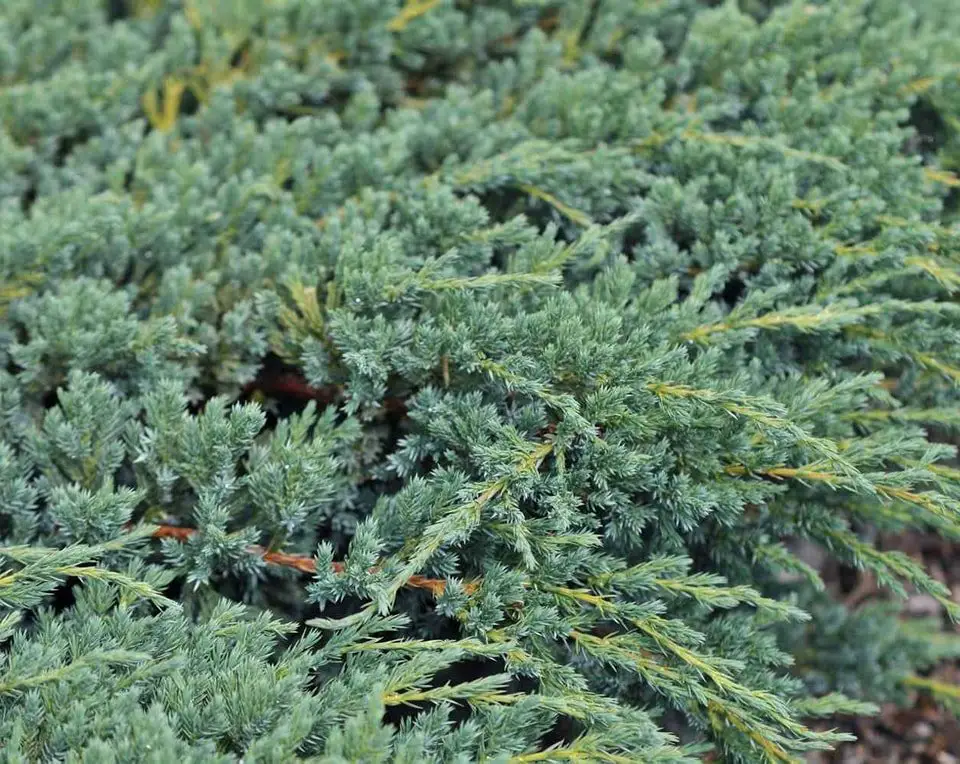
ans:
(449, 380)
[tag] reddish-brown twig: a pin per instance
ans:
(173, 532)
(301, 562)
(290, 384)
(293, 385)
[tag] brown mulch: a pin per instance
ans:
(923, 733)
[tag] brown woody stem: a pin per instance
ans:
(301, 562)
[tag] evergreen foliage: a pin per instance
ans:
(450, 380)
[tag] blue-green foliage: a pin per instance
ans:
(602, 306)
